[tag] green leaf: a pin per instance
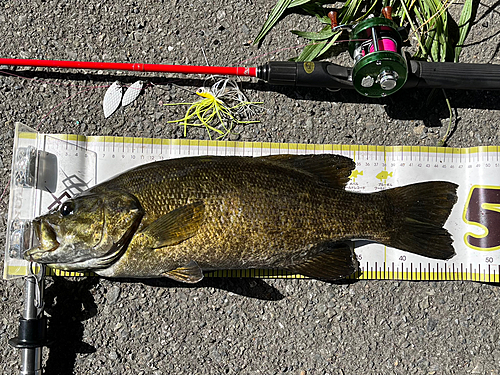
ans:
(428, 20)
(311, 51)
(330, 43)
(275, 15)
(349, 10)
(464, 25)
(369, 11)
(297, 3)
(314, 9)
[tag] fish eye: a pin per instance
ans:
(67, 208)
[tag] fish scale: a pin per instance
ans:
(290, 212)
(253, 226)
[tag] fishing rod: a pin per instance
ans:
(380, 68)
(379, 77)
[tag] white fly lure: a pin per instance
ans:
(223, 102)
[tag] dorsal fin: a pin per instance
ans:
(332, 169)
(337, 261)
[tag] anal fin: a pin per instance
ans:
(191, 273)
(336, 261)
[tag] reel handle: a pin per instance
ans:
(449, 75)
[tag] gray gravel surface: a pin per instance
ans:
(237, 326)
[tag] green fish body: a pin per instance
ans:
(180, 217)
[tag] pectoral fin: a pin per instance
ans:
(336, 261)
(176, 226)
(191, 273)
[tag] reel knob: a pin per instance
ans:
(388, 80)
(379, 66)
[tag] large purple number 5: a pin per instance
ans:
(483, 210)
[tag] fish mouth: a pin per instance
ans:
(45, 241)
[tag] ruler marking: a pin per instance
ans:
(438, 271)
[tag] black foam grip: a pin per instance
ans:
(449, 75)
(306, 74)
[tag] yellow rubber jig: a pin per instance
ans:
(225, 102)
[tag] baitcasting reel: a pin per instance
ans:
(379, 66)
(380, 69)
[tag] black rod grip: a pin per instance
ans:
(305, 74)
(448, 75)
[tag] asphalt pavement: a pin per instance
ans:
(236, 326)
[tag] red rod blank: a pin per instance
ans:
(186, 69)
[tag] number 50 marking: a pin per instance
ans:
(483, 210)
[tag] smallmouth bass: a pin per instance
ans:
(180, 217)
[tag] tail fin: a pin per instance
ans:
(420, 211)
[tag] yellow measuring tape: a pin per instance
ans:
(474, 221)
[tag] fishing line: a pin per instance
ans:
(298, 46)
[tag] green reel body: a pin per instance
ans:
(379, 66)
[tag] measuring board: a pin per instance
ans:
(47, 169)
